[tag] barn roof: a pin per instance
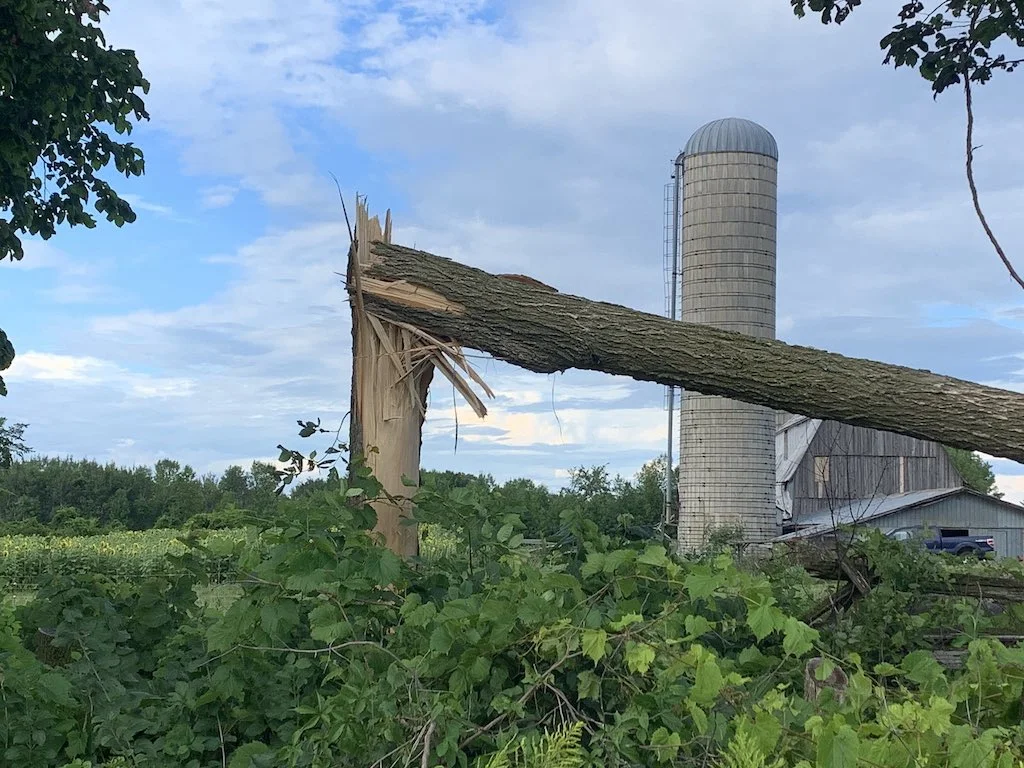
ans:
(802, 431)
(866, 510)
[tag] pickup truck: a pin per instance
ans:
(960, 546)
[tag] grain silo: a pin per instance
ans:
(728, 218)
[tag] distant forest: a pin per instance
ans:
(80, 497)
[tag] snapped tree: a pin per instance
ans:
(409, 306)
(62, 90)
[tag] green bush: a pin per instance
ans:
(335, 652)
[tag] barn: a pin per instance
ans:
(830, 475)
(946, 511)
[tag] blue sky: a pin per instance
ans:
(530, 137)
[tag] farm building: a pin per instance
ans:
(945, 511)
(825, 464)
(830, 475)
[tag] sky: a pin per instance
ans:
(532, 137)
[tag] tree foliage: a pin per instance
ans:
(63, 89)
(6, 358)
(976, 472)
(12, 441)
(48, 495)
(60, 84)
(946, 41)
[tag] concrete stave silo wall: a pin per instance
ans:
(727, 448)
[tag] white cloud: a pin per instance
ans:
(91, 371)
(1012, 487)
(49, 367)
(618, 428)
(219, 196)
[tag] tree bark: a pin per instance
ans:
(539, 329)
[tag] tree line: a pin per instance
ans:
(80, 496)
(69, 496)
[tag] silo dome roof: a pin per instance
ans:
(732, 134)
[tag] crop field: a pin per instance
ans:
(122, 556)
(136, 555)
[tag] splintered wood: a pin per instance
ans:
(392, 366)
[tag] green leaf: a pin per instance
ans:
(702, 582)
(700, 718)
(665, 744)
(838, 747)
(696, 626)
(970, 751)
(243, 756)
(421, 615)
(765, 618)
(639, 657)
(922, 668)
(798, 638)
(588, 685)
(707, 681)
(616, 559)
(480, 669)
(654, 555)
(384, 566)
(593, 642)
(594, 564)
(885, 669)
(441, 639)
(626, 621)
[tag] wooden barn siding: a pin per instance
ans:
(865, 463)
(978, 515)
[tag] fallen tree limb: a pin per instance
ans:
(542, 330)
(826, 563)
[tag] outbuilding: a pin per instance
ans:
(946, 511)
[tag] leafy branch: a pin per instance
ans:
(951, 43)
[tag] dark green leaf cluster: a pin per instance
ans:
(947, 42)
(62, 87)
(6, 358)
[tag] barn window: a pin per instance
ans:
(821, 474)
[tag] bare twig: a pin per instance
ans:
(970, 167)
(341, 196)
(425, 761)
(223, 751)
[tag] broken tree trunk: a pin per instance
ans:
(533, 326)
(392, 366)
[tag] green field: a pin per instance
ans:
(122, 556)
